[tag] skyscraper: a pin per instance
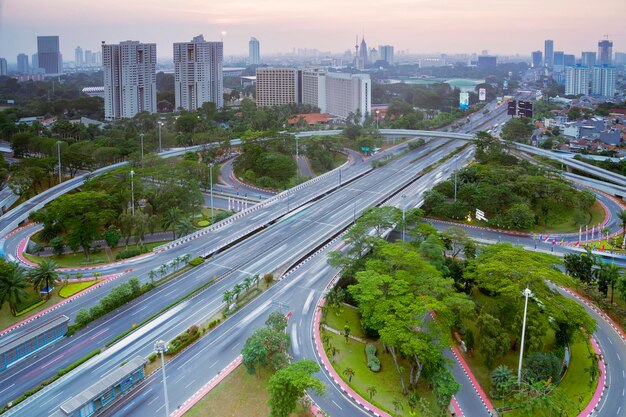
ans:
(129, 79)
(605, 52)
(49, 54)
(577, 80)
(548, 52)
(558, 61)
(78, 57)
(314, 88)
(588, 59)
(3, 67)
(569, 60)
(386, 53)
(89, 58)
(254, 51)
(363, 52)
(22, 63)
(537, 59)
(198, 73)
(348, 94)
(603, 80)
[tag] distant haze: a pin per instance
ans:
(421, 26)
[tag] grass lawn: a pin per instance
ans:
(387, 381)
(565, 222)
(76, 287)
(239, 394)
(337, 319)
(7, 319)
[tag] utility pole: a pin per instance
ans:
(160, 147)
(132, 192)
(527, 293)
(211, 181)
(161, 347)
(59, 155)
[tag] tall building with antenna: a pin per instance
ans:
(363, 52)
(358, 59)
(605, 52)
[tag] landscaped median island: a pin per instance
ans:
(478, 304)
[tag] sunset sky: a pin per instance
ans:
(421, 26)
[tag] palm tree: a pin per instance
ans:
(371, 390)
(186, 257)
(13, 288)
(175, 263)
(349, 372)
(612, 275)
(44, 276)
(170, 219)
(162, 270)
(256, 278)
(184, 227)
(397, 405)
(247, 283)
(228, 297)
(152, 275)
(237, 290)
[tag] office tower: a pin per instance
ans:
(558, 61)
(89, 58)
(577, 80)
(548, 52)
(129, 79)
(588, 59)
(620, 58)
(35, 62)
(605, 52)
(314, 88)
(78, 57)
(277, 86)
(254, 51)
(386, 53)
(97, 58)
(603, 80)
(348, 94)
(569, 60)
(22, 63)
(487, 61)
(373, 55)
(198, 73)
(49, 54)
(363, 52)
(537, 59)
(3, 67)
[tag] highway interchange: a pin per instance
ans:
(304, 226)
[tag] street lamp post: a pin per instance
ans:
(132, 192)
(160, 147)
(141, 137)
(59, 155)
(297, 167)
(211, 181)
(160, 346)
(527, 293)
(377, 116)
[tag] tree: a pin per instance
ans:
(44, 276)
(371, 390)
(494, 341)
(520, 216)
(501, 379)
(276, 321)
(580, 266)
(622, 216)
(517, 130)
(398, 405)
(346, 332)
(543, 366)
(444, 386)
(349, 372)
(265, 348)
(228, 298)
(13, 287)
(287, 385)
(112, 236)
(184, 226)
(170, 219)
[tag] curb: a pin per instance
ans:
(597, 396)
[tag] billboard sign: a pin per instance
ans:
(464, 101)
(482, 94)
(505, 84)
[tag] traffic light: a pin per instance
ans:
(512, 108)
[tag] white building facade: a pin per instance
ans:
(603, 81)
(348, 94)
(129, 79)
(254, 51)
(198, 74)
(577, 80)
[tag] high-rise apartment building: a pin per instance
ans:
(22, 63)
(386, 53)
(278, 86)
(78, 57)
(49, 54)
(314, 88)
(577, 80)
(620, 58)
(198, 73)
(254, 51)
(89, 58)
(588, 59)
(3, 67)
(34, 59)
(348, 94)
(605, 52)
(129, 79)
(569, 60)
(537, 59)
(548, 52)
(603, 80)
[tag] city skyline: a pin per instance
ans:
(422, 26)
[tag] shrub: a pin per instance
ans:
(373, 363)
(196, 261)
(79, 362)
(152, 357)
(128, 253)
(203, 223)
(268, 278)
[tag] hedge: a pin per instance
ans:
(32, 307)
(196, 261)
(79, 362)
(372, 361)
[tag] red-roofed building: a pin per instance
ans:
(313, 119)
